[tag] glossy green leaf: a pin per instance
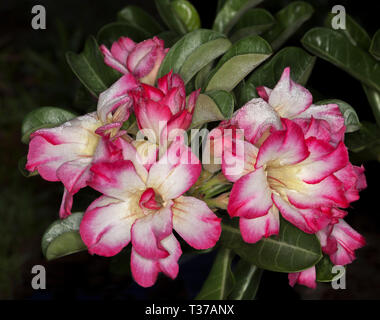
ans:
(324, 270)
(184, 48)
(90, 68)
(202, 75)
(289, 20)
(44, 117)
(212, 106)
(374, 49)
(359, 38)
(291, 251)
(253, 22)
(230, 12)
(202, 56)
(367, 137)
(62, 237)
(187, 13)
(373, 97)
(140, 18)
(220, 280)
(353, 31)
(244, 56)
(351, 119)
(21, 167)
(113, 31)
(247, 280)
(300, 62)
(170, 16)
(333, 47)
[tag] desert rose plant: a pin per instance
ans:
(271, 181)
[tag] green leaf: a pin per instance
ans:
(247, 280)
(353, 31)
(323, 270)
(253, 22)
(44, 117)
(184, 48)
(113, 31)
(291, 251)
(21, 167)
(367, 137)
(170, 16)
(187, 13)
(374, 49)
(351, 119)
(90, 68)
(140, 19)
(202, 75)
(220, 280)
(289, 20)
(333, 47)
(230, 13)
(202, 56)
(373, 97)
(300, 62)
(244, 56)
(212, 106)
(62, 237)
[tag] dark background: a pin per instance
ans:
(34, 73)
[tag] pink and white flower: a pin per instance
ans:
(115, 105)
(143, 207)
(142, 60)
(162, 112)
(339, 241)
(66, 153)
(292, 101)
(306, 179)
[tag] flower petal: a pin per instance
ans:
(256, 117)
(195, 222)
(289, 98)
(329, 113)
(50, 148)
(116, 179)
(169, 265)
(264, 92)
(176, 171)
(147, 233)
(253, 230)
(347, 241)
(329, 192)
(106, 225)
(320, 165)
(250, 196)
(237, 164)
(283, 147)
(117, 97)
(306, 278)
(144, 271)
(66, 204)
(308, 220)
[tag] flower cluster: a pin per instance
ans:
(292, 162)
(143, 191)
